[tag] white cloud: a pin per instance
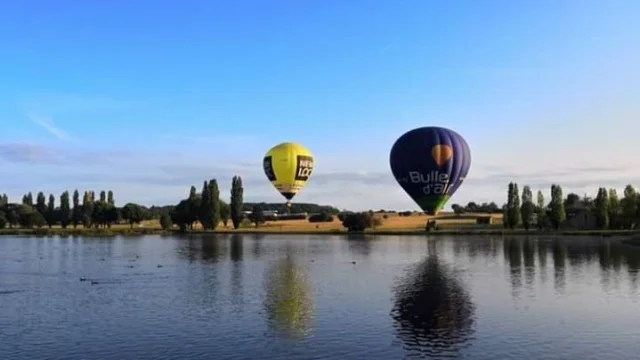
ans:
(46, 123)
(152, 178)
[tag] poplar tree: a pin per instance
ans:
(602, 209)
(50, 214)
(557, 215)
(41, 203)
(541, 211)
(76, 215)
(514, 208)
(214, 203)
(204, 214)
(614, 209)
(629, 205)
(527, 209)
(235, 205)
(87, 208)
(65, 210)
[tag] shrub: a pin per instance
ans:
(405, 213)
(165, 221)
(358, 221)
(321, 217)
(343, 215)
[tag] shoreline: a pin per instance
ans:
(324, 232)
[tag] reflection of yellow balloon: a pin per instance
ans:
(288, 166)
(288, 301)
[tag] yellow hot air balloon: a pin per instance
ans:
(288, 167)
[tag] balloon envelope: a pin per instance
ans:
(288, 167)
(430, 163)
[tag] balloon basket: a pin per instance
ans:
(431, 225)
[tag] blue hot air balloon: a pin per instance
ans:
(430, 163)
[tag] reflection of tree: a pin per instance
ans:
(187, 249)
(288, 299)
(559, 253)
(432, 311)
(528, 254)
(237, 254)
(257, 245)
(359, 244)
(203, 248)
(237, 250)
(513, 255)
(210, 249)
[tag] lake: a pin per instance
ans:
(318, 297)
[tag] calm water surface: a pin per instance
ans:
(317, 297)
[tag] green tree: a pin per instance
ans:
(41, 203)
(12, 214)
(76, 215)
(65, 210)
(513, 204)
(180, 215)
(100, 214)
(572, 202)
(601, 210)
(236, 202)
(103, 196)
(50, 214)
(358, 222)
(133, 214)
(257, 215)
(629, 204)
(110, 200)
(3, 220)
(26, 216)
(557, 214)
(87, 209)
(28, 199)
(541, 211)
(4, 200)
(225, 212)
(205, 207)
(527, 209)
(112, 214)
(214, 201)
(614, 209)
(165, 221)
(193, 203)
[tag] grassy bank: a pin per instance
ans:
(126, 231)
(390, 224)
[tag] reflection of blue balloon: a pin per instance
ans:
(430, 163)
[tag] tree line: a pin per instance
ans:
(606, 211)
(70, 211)
(88, 211)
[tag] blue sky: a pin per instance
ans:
(149, 97)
